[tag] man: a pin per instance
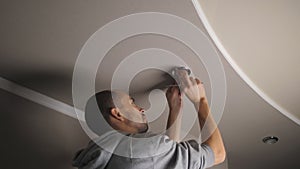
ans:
(162, 151)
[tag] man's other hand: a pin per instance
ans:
(174, 98)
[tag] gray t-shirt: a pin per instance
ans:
(142, 154)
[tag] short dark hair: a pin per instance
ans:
(99, 105)
(105, 101)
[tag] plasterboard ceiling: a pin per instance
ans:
(262, 38)
(42, 39)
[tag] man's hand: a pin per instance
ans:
(201, 89)
(192, 87)
(174, 98)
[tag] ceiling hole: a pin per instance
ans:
(270, 139)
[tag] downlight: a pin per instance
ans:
(270, 139)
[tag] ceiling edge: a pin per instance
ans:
(235, 67)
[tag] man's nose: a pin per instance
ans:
(141, 109)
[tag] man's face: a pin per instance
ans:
(133, 114)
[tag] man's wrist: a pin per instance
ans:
(175, 110)
(202, 100)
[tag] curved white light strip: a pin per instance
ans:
(235, 67)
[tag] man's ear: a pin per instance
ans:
(115, 112)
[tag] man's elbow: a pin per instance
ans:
(220, 156)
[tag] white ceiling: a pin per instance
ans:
(262, 38)
(40, 41)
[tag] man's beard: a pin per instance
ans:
(141, 127)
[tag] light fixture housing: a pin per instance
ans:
(270, 139)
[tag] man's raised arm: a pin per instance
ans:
(215, 140)
(175, 107)
(194, 90)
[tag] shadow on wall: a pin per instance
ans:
(34, 137)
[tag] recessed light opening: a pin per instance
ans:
(270, 139)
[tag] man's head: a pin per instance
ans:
(120, 111)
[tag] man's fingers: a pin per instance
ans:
(198, 81)
(176, 89)
(173, 89)
(169, 89)
(193, 81)
(183, 77)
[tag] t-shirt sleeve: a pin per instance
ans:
(207, 156)
(200, 155)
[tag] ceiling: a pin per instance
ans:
(261, 41)
(41, 40)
